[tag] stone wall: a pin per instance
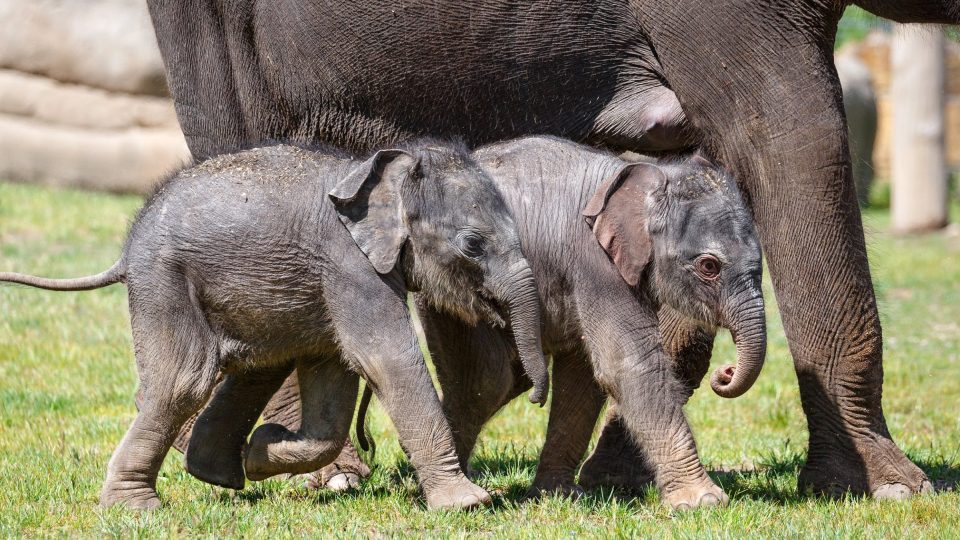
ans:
(83, 96)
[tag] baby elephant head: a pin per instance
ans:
(685, 228)
(433, 214)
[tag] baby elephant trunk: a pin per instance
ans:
(518, 291)
(748, 326)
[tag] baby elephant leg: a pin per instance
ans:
(574, 409)
(378, 340)
(478, 371)
(617, 461)
(651, 401)
(214, 453)
(177, 362)
(347, 469)
(328, 392)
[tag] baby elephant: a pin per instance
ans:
(252, 262)
(610, 244)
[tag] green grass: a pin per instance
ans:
(66, 396)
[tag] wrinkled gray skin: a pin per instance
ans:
(610, 244)
(753, 83)
(242, 265)
(860, 106)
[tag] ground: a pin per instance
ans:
(67, 381)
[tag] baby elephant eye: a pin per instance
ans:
(707, 267)
(470, 244)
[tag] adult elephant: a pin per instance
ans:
(753, 82)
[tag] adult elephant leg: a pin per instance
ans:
(478, 371)
(617, 461)
(769, 107)
(346, 471)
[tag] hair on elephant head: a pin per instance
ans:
(430, 212)
(684, 227)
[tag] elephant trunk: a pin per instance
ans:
(747, 323)
(519, 292)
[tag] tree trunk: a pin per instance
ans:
(918, 153)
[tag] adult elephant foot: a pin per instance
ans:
(616, 461)
(873, 466)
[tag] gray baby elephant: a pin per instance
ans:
(613, 245)
(250, 263)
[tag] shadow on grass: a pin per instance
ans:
(773, 481)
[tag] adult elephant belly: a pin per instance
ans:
(364, 74)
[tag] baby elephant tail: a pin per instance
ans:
(114, 274)
(363, 434)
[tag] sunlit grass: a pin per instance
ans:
(66, 396)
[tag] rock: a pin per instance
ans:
(106, 44)
(124, 160)
(46, 100)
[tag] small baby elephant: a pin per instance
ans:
(610, 244)
(254, 262)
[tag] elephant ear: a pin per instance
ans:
(617, 213)
(698, 158)
(369, 205)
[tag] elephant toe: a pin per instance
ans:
(343, 482)
(690, 498)
(711, 499)
(900, 492)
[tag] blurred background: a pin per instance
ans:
(83, 103)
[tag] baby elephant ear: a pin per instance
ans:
(617, 212)
(368, 203)
(698, 158)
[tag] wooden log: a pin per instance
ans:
(918, 149)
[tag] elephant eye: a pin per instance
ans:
(707, 267)
(470, 244)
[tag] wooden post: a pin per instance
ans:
(918, 150)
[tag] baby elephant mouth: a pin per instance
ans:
(491, 310)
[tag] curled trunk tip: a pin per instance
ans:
(749, 331)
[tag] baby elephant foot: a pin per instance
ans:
(690, 497)
(275, 450)
(342, 481)
(134, 498)
(346, 472)
(554, 488)
(460, 494)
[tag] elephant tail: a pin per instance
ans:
(115, 274)
(363, 434)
